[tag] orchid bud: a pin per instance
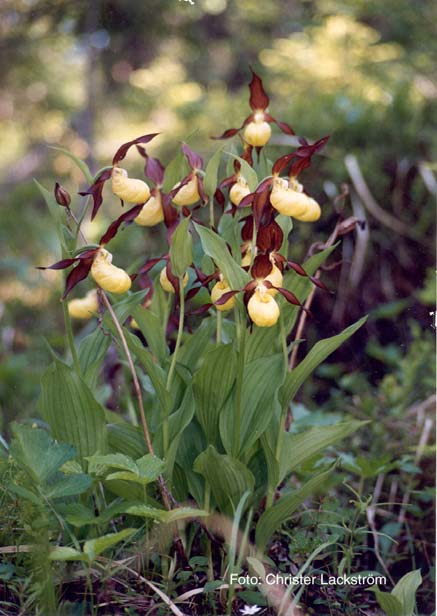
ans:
(84, 307)
(62, 196)
(127, 189)
(219, 289)
(152, 213)
(187, 194)
(166, 284)
(109, 277)
(239, 190)
(257, 132)
(262, 308)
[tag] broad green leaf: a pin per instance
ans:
(261, 380)
(405, 591)
(72, 412)
(216, 248)
(78, 515)
(123, 308)
(272, 519)
(387, 602)
(228, 478)
(175, 171)
(94, 547)
(114, 460)
(298, 448)
(271, 462)
(211, 173)
(126, 438)
(247, 172)
(150, 467)
(180, 513)
(24, 493)
(68, 485)
(37, 453)
(320, 351)
(81, 165)
(92, 350)
(145, 358)
(286, 224)
(66, 553)
(193, 348)
(211, 392)
(152, 328)
(181, 248)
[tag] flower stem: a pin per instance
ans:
(219, 327)
(211, 212)
(70, 338)
(165, 426)
(239, 387)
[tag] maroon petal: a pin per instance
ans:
(77, 274)
(174, 280)
(262, 267)
(194, 160)
(124, 218)
(123, 150)
(259, 203)
(282, 163)
(201, 189)
(230, 132)
(148, 265)
(220, 198)
(289, 296)
(63, 264)
(153, 169)
(226, 297)
(258, 98)
(270, 237)
(96, 189)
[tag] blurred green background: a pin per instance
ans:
(88, 76)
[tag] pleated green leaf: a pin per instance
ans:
(94, 547)
(211, 172)
(212, 385)
(228, 478)
(73, 414)
(92, 350)
(152, 328)
(405, 591)
(272, 519)
(181, 248)
(320, 351)
(216, 248)
(298, 448)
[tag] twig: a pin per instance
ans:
(370, 512)
(370, 202)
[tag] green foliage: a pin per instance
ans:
(402, 599)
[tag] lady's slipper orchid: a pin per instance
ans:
(152, 212)
(127, 189)
(262, 308)
(239, 190)
(257, 131)
(219, 289)
(190, 189)
(84, 307)
(109, 277)
(187, 194)
(165, 280)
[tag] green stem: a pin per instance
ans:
(219, 327)
(211, 212)
(239, 388)
(165, 429)
(70, 338)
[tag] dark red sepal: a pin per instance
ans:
(230, 132)
(262, 267)
(153, 168)
(63, 264)
(96, 189)
(123, 150)
(282, 163)
(270, 237)
(289, 296)
(226, 297)
(77, 274)
(259, 203)
(258, 98)
(194, 160)
(174, 280)
(124, 218)
(144, 269)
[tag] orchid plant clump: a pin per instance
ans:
(205, 329)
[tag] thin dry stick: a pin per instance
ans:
(301, 324)
(370, 512)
